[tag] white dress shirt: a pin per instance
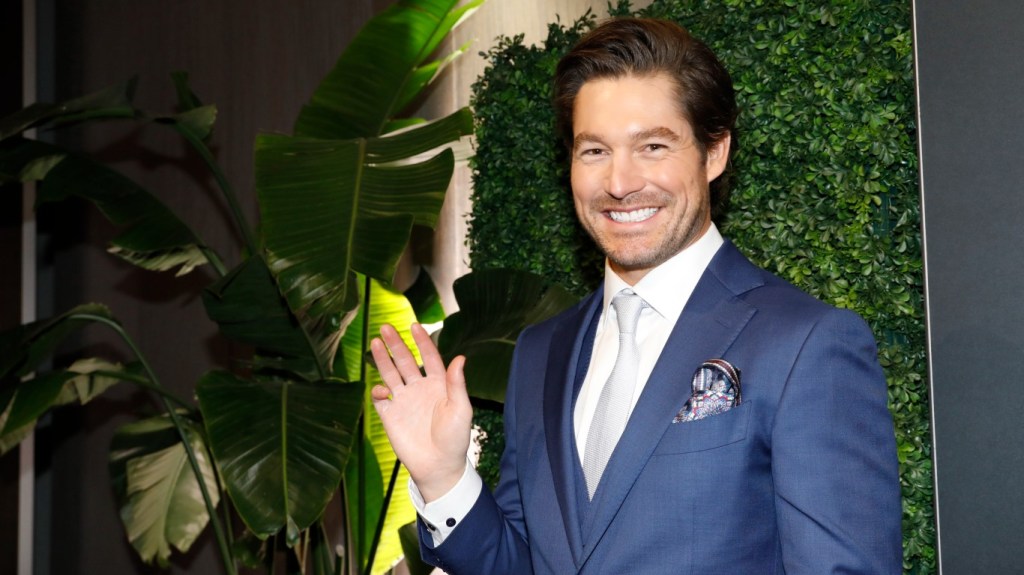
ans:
(665, 289)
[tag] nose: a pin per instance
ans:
(624, 176)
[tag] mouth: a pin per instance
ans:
(633, 216)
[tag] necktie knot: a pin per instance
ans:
(627, 310)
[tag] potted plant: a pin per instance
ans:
(272, 438)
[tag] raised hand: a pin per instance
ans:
(427, 415)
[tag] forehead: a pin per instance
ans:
(636, 102)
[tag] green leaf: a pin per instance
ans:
(425, 301)
(381, 71)
(249, 550)
(112, 102)
(494, 306)
(409, 536)
(198, 121)
(320, 552)
(161, 502)
(21, 407)
(364, 491)
(153, 237)
(249, 309)
(187, 99)
(24, 347)
(93, 376)
(332, 207)
(383, 306)
(281, 446)
(22, 404)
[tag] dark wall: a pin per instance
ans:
(970, 78)
(258, 61)
(10, 254)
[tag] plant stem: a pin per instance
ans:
(214, 259)
(145, 384)
(224, 185)
(361, 461)
(225, 549)
(379, 530)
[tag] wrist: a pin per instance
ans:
(435, 485)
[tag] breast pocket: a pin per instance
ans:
(709, 433)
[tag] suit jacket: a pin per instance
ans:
(801, 478)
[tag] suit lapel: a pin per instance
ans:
(560, 388)
(710, 322)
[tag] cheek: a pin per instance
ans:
(581, 182)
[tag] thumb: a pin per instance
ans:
(456, 377)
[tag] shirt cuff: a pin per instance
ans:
(444, 514)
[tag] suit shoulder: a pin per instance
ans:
(776, 297)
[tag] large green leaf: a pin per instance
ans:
(364, 493)
(248, 307)
(112, 102)
(23, 403)
(425, 300)
(161, 502)
(383, 69)
(281, 446)
(153, 237)
(21, 407)
(494, 306)
(332, 207)
(383, 306)
(92, 376)
(24, 347)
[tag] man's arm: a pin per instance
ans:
(427, 416)
(491, 538)
(834, 460)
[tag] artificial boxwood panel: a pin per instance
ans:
(824, 185)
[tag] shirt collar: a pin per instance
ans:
(668, 287)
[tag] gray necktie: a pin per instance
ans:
(614, 404)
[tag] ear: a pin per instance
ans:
(717, 157)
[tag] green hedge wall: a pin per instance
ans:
(824, 186)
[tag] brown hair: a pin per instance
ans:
(645, 47)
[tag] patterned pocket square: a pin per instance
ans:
(716, 389)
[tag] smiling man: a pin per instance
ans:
(694, 415)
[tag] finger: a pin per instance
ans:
(432, 360)
(403, 359)
(382, 405)
(456, 378)
(385, 366)
(380, 393)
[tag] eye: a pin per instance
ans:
(590, 153)
(654, 147)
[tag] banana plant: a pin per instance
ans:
(271, 440)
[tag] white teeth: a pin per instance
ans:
(634, 216)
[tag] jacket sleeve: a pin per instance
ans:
(834, 464)
(492, 538)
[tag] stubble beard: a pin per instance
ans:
(628, 251)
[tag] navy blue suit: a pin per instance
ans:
(802, 478)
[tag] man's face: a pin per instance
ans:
(639, 182)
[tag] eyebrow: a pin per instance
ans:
(658, 132)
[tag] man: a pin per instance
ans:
(721, 422)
